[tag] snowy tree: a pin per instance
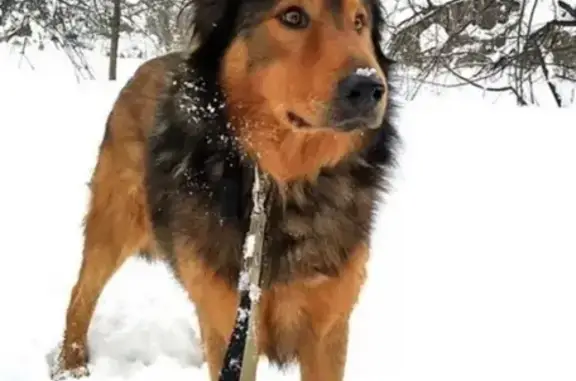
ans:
(146, 27)
(495, 45)
(525, 47)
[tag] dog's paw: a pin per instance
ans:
(70, 374)
(58, 371)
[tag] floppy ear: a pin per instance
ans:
(377, 24)
(208, 22)
(387, 136)
(207, 16)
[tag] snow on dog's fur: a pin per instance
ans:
(277, 82)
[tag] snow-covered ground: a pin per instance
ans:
(474, 255)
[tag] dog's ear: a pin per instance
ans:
(207, 16)
(377, 25)
(206, 21)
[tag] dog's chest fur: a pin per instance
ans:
(199, 189)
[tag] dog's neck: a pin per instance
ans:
(198, 165)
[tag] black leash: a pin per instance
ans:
(241, 359)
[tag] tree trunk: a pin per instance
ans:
(114, 37)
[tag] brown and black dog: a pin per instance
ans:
(299, 87)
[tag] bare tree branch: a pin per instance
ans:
(567, 8)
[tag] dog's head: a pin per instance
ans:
(304, 63)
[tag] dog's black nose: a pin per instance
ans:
(359, 94)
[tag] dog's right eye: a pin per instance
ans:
(295, 18)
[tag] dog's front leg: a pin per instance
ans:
(214, 351)
(324, 358)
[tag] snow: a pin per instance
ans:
(473, 257)
(433, 37)
(366, 71)
(249, 245)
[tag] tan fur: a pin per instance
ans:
(117, 224)
(287, 83)
(308, 317)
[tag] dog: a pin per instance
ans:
(298, 87)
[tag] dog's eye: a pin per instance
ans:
(295, 17)
(359, 22)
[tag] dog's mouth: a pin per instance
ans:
(358, 124)
(297, 120)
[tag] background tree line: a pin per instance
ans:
(524, 47)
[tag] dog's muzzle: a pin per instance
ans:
(358, 102)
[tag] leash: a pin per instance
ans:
(241, 359)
